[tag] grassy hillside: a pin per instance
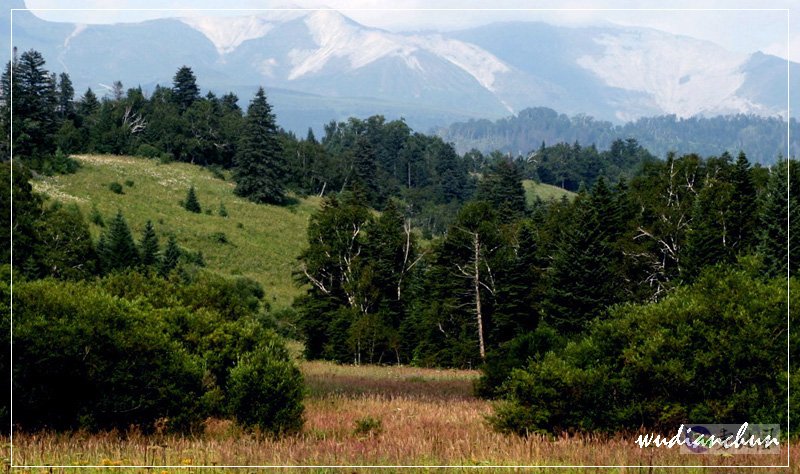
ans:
(257, 241)
(544, 191)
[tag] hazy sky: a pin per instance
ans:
(746, 26)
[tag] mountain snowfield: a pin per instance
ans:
(320, 65)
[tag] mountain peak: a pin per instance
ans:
(228, 32)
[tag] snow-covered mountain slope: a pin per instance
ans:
(487, 72)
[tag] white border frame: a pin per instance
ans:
(788, 229)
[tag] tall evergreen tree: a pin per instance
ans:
(743, 206)
(184, 88)
(779, 239)
(34, 107)
(365, 178)
(66, 97)
(260, 168)
(502, 186)
(148, 246)
(172, 255)
(118, 250)
(88, 104)
(582, 282)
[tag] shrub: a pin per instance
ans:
(116, 188)
(222, 211)
(119, 366)
(368, 426)
(266, 391)
(219, 237)
(129, 183)
(148, 151)
(705, 352)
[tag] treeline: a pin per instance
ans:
(569, 302)
(380, 158)
(764, 138)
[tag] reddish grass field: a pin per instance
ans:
(427, 418)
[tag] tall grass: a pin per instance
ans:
(437, 423)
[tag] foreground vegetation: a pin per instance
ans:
(365, 416)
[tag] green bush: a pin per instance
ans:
(147, 151)
(706, 352)
(115, 188)
(266, 391)
(85, 359)
(129, 183)
(368, 426)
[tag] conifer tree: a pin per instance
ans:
(184, 88)
(365, 171)
(117, 249)
(743, 206)
(191, 203)
(582, 282)
(66, 97)
(502, 186)
(774, 236)
(172, 254)
(260, 168)
(148, 246)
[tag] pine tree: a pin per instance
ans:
(260, 168)
(88, 104)
(365, 171)
(502, 186)
(743, 206)
(148, 246)
(35, 105)
(582, 281)
(172, 255)
(66, 97)
(774, 236)
(191, 203)
(117, 249)
(184, 88)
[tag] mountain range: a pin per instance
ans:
(321, 65)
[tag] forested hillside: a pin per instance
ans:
(764, 139)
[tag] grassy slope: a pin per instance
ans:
(263, 248)
(545, 191)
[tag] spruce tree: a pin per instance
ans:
(172, 255)
(582, 282)
(260, 168)
(191, 203)
(184, 88)
(365, 171)
(774, 236)
(66, 97)
(117, 249)
(743, 206)
(502, 186)
(148, 246)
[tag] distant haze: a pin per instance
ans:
(740, 25)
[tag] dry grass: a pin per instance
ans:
(428, 417)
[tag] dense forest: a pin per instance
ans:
(417, 255)
(764, 138)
